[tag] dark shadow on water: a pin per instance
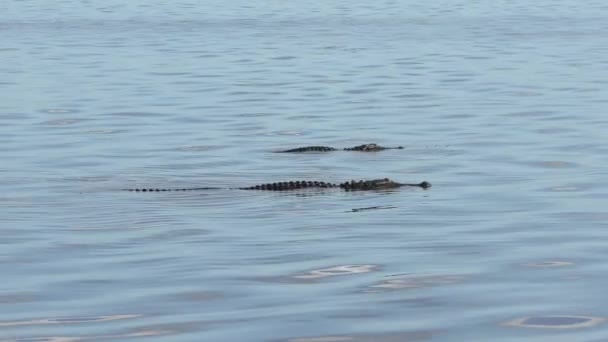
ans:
(356, 210)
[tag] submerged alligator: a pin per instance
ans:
(375, 184)
(360, 148)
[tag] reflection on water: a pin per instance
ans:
(550, 264)
(138, 334)
(556, 322)
(336, 271)
(416, 281)
(17, 297)
(73, 320)
(386, 337)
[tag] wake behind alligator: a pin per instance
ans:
(359, 148)
(362, 185)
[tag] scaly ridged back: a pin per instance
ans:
(375, 184)
(286, 186)
(310, 149)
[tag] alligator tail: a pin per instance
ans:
(175, 190)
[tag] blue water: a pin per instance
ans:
(501, 105)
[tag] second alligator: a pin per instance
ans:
(360, 148)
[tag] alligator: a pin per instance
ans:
(360, 148)
(375, 184)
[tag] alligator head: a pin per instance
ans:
(379, 184)
(371, 148)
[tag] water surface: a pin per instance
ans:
(501, 105)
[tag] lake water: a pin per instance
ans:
(501, 105)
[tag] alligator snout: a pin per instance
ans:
(425, 185)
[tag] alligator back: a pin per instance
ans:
(359, 148)
(285, 186)
(309, 149)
